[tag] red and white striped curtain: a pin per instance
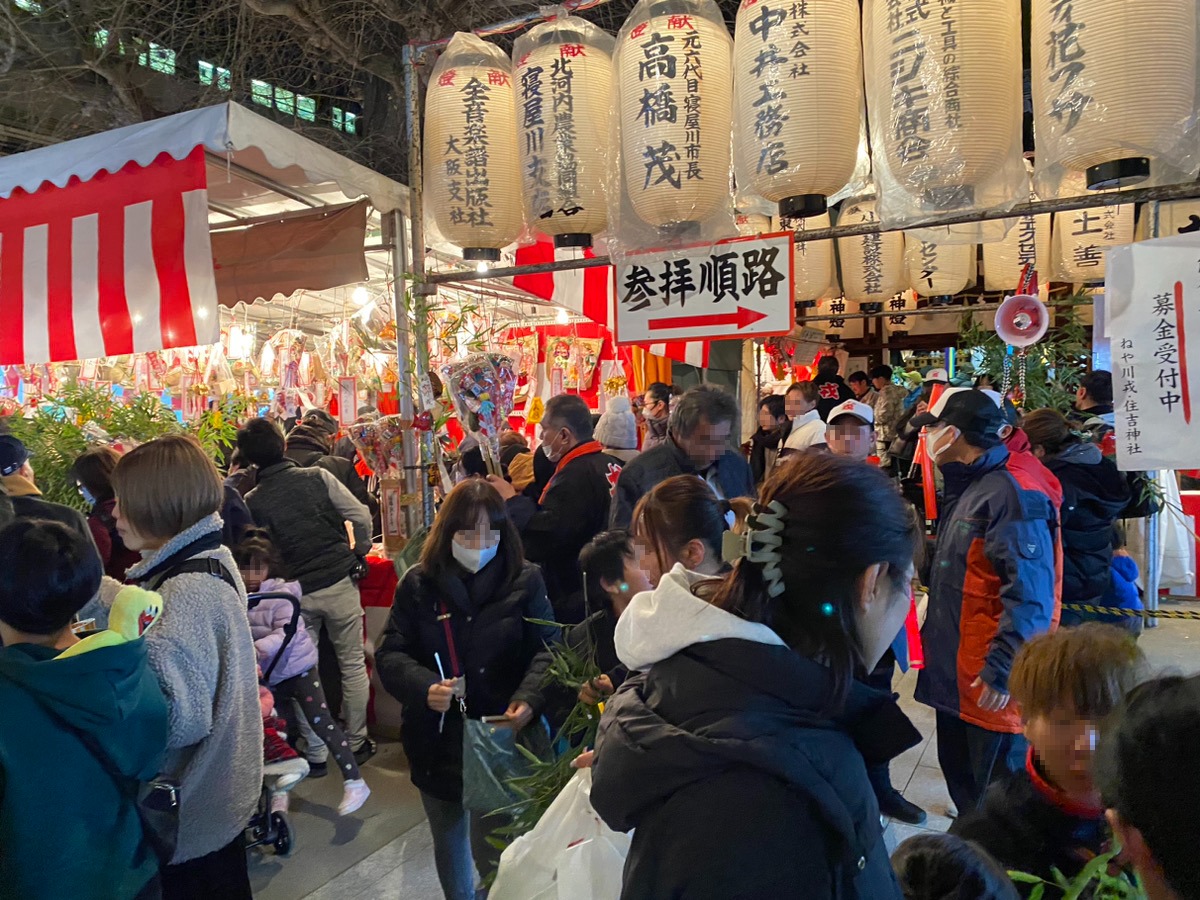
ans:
(117, 264)
(589, 292)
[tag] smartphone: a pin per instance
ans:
(495, 720)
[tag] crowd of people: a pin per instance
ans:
(746, 612)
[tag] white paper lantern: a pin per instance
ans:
(944, 96)
(872, 265)
(838, 329)
(1171, 218)
(813, 260)
(675, 98)
(1027, 242)
(900, 311)
(472, 178)
(1114, 85)
(939, 323)
(798, 100)
(753, 224)
(938, 270)
(1082, 238)
(564, 83)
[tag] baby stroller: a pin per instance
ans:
(269, 825)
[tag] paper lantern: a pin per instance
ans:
(471, 177)
(1114, 87)
(872, 265)
(798, 100)
(753, 224)
(838, 329)
(812, 261)
(564, 82)
(936, 269)
(1082, 238)
(1171, 218)
(944, 93)
(1027, 243)
(900, 310)
(675, 98)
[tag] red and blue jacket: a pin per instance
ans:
(995, 582)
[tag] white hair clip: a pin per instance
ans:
(761, 544)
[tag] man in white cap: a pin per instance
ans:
(850, 430)
(937, 376)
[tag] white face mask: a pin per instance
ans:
(934, 443)
(472, 559)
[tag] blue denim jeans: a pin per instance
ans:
(460, 845)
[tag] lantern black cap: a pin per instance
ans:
(1118, 173)
(481, 254)
(958, 196)
(802, 206)
(572, 240)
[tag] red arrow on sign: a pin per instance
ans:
(740, 319)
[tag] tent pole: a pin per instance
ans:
(411, 453)
(421, 290)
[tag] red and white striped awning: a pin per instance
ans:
(104, 240)
(590, 293)
(117, 264)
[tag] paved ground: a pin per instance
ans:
(385, 851)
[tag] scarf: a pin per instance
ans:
(582, 450)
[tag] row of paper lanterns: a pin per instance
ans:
(1071, 249)
(534, 140)
(874, 267)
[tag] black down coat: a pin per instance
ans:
(1094, 494)
(737, 783)
(497, 649)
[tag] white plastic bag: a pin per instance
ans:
(570, 853)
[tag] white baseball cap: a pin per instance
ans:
(852, 408)
(937, 375)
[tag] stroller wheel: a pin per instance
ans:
(284, 841)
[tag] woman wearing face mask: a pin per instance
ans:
(460, 625)
(93, 475)
(748, 709)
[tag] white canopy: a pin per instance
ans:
(253, 144)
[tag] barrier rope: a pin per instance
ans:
(1132, 613)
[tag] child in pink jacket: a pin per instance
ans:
(294, 675)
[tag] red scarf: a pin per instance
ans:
(1056, 795)
(582, 450)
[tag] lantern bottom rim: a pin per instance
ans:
(1124, 172)
(562, 241)
(481, 254)
(871, 307)
(953, 196)
(802, 206)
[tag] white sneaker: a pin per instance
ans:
(356, 794)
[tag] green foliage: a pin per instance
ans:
(1100, 879)
(56, 435)
(1055, 364)
(570, 669)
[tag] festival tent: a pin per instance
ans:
(107, 241)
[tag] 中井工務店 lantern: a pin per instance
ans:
(1114, 92)
(471, 171)
(564, 79)
(944, 94)
(674, 99)
(798, 100)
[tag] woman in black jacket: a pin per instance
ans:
(460, 628)
(740, 752)
(1094, 494)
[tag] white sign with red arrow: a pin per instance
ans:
(735, 289)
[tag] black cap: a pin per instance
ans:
(12, 454)
(970, 411)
